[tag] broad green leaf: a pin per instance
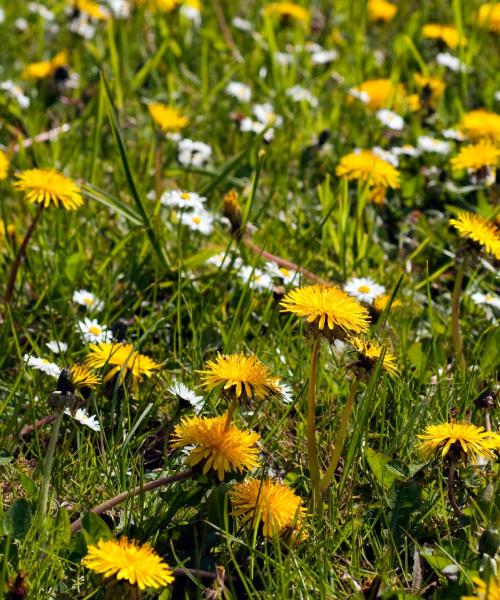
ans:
(94, 528)
(378, 464)
(17, 519)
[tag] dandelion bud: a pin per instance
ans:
(232, 211)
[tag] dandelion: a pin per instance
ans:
(81, 376)
(431, 85)
(48, 186)
(92, 331)
(446, 33)
(327, 305)
(367, 166)
(121, 357)
(369, 353)
(168, 118)
(241, 377)
(364, 289)
(286, 10)
(381, 10)
(463, 441)
(271, 503)
(219, 444)
(87, 299)
(45, 68)
(481, 123)
(380, 303)
(380, 93)
(478, 230)
(488, 16)
(129, 561)
(4, 165)
(476, 156)
(90, 8)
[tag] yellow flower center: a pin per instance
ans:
(94, 330)
(185, 195)
(196, 220)
(88, 301)
(285, 271)
(364, 289)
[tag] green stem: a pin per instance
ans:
(340, 437)
(451, 493)
(47, 466)
(312, 449)
(455, 317)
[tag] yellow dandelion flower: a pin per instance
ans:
(220, 445)
(160, 5)
(469, 441)
(4, 165)
(489, 16)
(286, 9)
(240, 375)
(381, 10)
(327, 305)
(122, 357)
(45, 68)
(82, 376)
(481, 123)
(476, 156)
(381, 302)
(167, 117)
(48, 186)
(479, 230)
(272, 503)
(369, 167)
(92, 9)
(446, 33)
(435, 85)
(381, 93)
(369, 353)
(485, 590)
(124, 559)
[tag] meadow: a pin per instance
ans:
(249, 303)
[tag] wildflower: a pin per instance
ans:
(193, 153)
(83, 417)
(380, 302)
(122, 357)
(481, 123)
(42, 364)
(484, 233)
(381, 10)
(445, 59)
(369, 353)
(282, 273)
(390, 119)
(91, 331)
(191, 9)
(462, 440)
(90, 8)
(167, 117)
(255, 278)
(123, 559)
(380, 93)
(431, 85)
(80, 376)
(446, 33)
(406, 150)
(453, 134)
(56, 347)
(367, 166)
(47, 186)
(323, 57)
(87, 299)
(178, 199)
(299, 94)
(286, 10)
(4, 165)
(489, 16)
(231, 210)
(242, 24)
(429, 144)
(240, 376)
(272, 503)
(120, 8)
(386, 155)
(286, 392)
(15, 92)
(239, 91)
(45, 68)
(476, 156)
(488, 299)
(184, 393)
(219, 444)
(223, 259)
(364, 289)
(327, 305)
(198, 220)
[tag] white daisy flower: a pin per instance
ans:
(286, 275)
(286, 392)
(364, 289)
(323, 57)
(198, 220)
(264, 113)
(21, 24)
(453, 134)
(41, 10)
(430, 144)
(300, 94)
(406, 150)
(119, 8)
(82, 26)
(56, 347)
(42, 364)
(386, 155)
(87, 299)
(82, 416)
(182, 391)
(192, 153)
(488, 299)
(445, 59)
(239, 90)
(390, 119)
(363, 96)
(177, 199)
(91, 331)
(16, 93)
(256, 278)
(242, 24)
(247, 124)
(223, 259)
(190, 11)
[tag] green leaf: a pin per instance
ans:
(17, 519)
(62, 529)
(94, 529)
(28, 484)
(379, 465)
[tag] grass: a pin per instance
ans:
(385, 528)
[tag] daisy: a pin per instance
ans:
(178, 199)
(184, 393)
(286, 275)
(242, 24)
(390, 119)
(193, 153)
(15, 92)
(286, 392)
(191, 9)
(429, 144)
(129, 561)
(364, 289)
(91, 331)
(82, 416)
(488, 299)
(42, 364)
(239, 90)
(264, 113)
(87, 299)
(198, 220)
(57, 347)
(224, 259)
(300, 94)
(256, 278)
(406, 150)
(453, 63)
(453, 134)
(323, 57)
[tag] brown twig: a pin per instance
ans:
(281, 261)
(151, 485)
(451, 494)
(226, 32)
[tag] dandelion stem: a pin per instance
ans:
(151, 485)
(451, 493)
(19, 256)
(340, 437)
(455, 316)
(312, 449)
(47, 466)
(487, 419)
